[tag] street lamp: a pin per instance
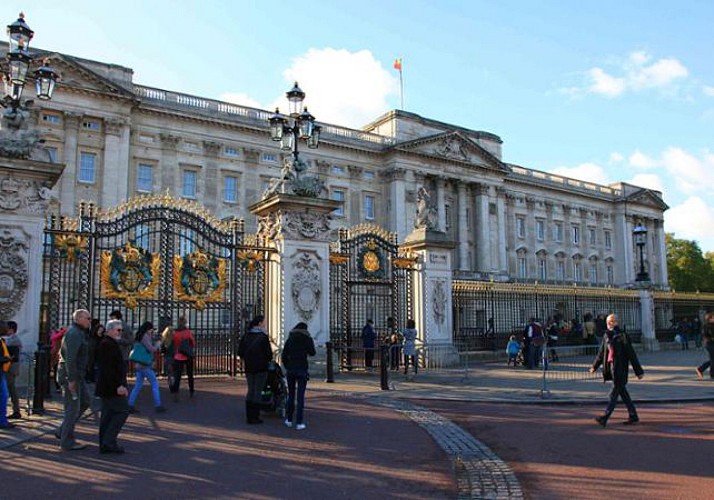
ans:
(298, 125)
(18, 64)
(640, 234)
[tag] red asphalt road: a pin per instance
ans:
(559, 452)
(202, 448)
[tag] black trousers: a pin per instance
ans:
(114, 413)
(178, 370)
(621, 392)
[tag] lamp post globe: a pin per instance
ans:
(640, 234)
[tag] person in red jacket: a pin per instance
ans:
(184, 345)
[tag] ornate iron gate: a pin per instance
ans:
(369, 279)
(157, 258)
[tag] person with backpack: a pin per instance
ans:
(5, 362)
(14, 347)
(294, 357)
(143, 371)
(184, 345)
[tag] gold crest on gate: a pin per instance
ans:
(129, 273)
(199, 278)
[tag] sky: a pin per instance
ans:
(606, 91)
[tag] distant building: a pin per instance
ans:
(120, 139)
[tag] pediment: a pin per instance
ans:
(76, 76)
(453, 146)
(648, 198)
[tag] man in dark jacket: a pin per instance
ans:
(72, 367)
(368, 338)
(295, 352)
(111, 387)
(615, 355)
(254, 349)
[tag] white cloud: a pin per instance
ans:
(641, 160)
(342, 87)
(691, 174)
(636, 73)
(691, 220)
(649, 181)
(589, 172)
(242, 99)
(708, 90)
(616, 157)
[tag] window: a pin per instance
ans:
(369, 175)
(369, 207)
(610, 275)
(542, 269)
(338, 170)
(522, 267)
(270, 158)
(52, 154)
(593, 273)
(145, 178)
(87, 167)
(521, 227)
(191, 146)
(186, 242)
(148, 139)
(608, 240)
(230, 189)
(338, 195)
(558, 231)
(52, 118)
(592, 236)
(575, 232)
(577, 271)
(447, 217)
(188, 189)
(91, 125)
(230, 151)
(540, 230)
(560, 270)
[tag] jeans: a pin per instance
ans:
(73, 410)
(148, 374)
(12, 390)
(114, 413)
(298, 377)
(3, 399)
(178, 369)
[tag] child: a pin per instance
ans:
(512, 350)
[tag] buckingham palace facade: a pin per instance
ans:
(119, 139)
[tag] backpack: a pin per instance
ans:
(186, 348)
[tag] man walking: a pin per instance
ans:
(74, 354)
(112, 388)
(368, 338)
(615, 355)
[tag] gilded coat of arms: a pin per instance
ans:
(130, 273)
(371, 261)
(199, 278)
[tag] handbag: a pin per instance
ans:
(140, 354)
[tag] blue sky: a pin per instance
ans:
(604, 91)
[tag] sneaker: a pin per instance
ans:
(300, 427)
(631, 421)
(700, 374)
(159, 409)
(288, 423)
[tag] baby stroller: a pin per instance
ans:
(275, 393)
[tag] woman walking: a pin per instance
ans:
(183, 345)
(410, 352)
(295, 352)
(146, 372)
(709, 346)
(254, 349)
(167, 349)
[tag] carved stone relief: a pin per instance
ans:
(452, 148)
(24, 195)
(305, 288)
(14, 271)
(311, 226)
(438, 300)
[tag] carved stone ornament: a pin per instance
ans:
(24, 195)
(269, 226)
(307, 225)
(438, 301)
(426, 215)
(14, 272)
(305, 288)
(17, 140)
(452, 148)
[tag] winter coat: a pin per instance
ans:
(254, 349)
(368, 336)
(623, 356)
(296, 350)
(73, 354)
(112, 373)
(410, 335)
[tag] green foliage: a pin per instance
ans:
(689, 270)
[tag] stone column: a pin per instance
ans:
(464, 264)
(397, 196)
(170, 175)
(212, 189)
(441, 203)
(663, 278)
(649, 340)
(484, 248)
(69, 175)
(299, 287)
(502, 253)
(115, 164)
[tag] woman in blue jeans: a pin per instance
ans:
(142, 372)
(295, 352)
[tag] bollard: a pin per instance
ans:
(383, 368)
(42, 378)
(329, 365)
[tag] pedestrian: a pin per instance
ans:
(5, 363)
(533, 340)
(512, 349)
(167, 349)
(72, 367)
(708, 339)
(410, 351)
(126, 341)
(589, 330)
(683, 331)
(14, 347)
(254, 349)
(697, 331)
(144, 336)
(394, 339)
(96, 332)
(184, 345)
(112, 388)
(294, 357)
(55, 344)
(616, 354)
(368, 338)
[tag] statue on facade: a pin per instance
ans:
(293, 179)
(426, 212)
(17, 141)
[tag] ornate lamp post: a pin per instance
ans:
(640, 234)
(16, 141)
(298, 125)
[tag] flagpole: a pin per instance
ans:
(401, 88)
